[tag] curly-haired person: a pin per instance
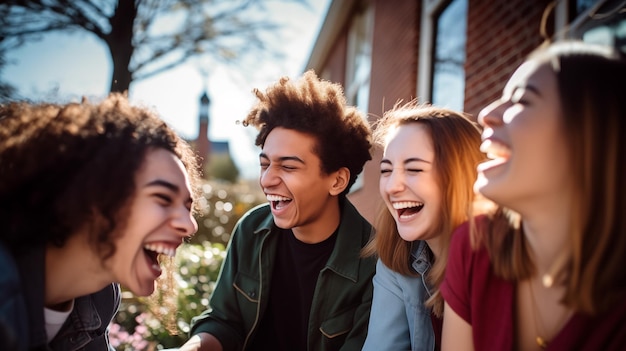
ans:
(91, 195)
(293, 278)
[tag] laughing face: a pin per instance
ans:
(523, 136)
(408, 181)
(300, 195)
(159, 218)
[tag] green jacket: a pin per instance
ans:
(341, 302)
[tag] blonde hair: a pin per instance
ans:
(456, 142)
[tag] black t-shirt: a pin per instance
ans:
(285, 322)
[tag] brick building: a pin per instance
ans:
(455, 53)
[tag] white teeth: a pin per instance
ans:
(494, 149)
(406, 204)
(276, 198)
(161, 249)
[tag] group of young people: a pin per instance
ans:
(507, 235)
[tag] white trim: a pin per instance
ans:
(336, 16)
(425, 60)
(361, 21)
(561, 14)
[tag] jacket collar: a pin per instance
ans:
(31, 265)
(346, 255)
(420, 257)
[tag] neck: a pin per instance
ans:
(321, 227)
(548, 239)
(72, 271)
(434, 245)
(546, 222)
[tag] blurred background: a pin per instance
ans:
(229, 49)
(196, 61)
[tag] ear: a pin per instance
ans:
(340, 179)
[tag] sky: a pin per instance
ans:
(66, 67)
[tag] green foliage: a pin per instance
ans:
(139, 324)
(222, 204)
(222, 167)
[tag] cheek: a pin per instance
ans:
(381, 187)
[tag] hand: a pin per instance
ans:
(202, 342)
(193, 344)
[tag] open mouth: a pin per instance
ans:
(278, 201)
(407, 209)
(152, 252)
(497, 153)
(495, 150)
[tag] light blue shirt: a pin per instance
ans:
(399, 320)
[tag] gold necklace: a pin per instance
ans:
(541, 342)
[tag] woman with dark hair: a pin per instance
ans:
(92, 195)
(546, 269)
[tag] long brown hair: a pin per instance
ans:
(591, 81)
(456, 141)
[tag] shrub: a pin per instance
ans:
(137, 327)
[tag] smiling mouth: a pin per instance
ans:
(495, 150)
(152, 252)
(277, 201)
(406, 209)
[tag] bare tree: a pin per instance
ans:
(7, 91)
(147, 37)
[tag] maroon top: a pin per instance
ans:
(487, 303)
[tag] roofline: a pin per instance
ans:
(336, 16)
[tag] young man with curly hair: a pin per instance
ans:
(91, 195)
(293, 278)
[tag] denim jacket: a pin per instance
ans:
(341, 302)
(399, 320)
(22, 285)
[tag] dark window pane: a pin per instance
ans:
(448, 86)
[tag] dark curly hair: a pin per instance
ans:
(64, 168)
(318, 108)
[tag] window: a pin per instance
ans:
(448, 83)
(359, 66)
(443, 35)
(359, 60)
(597, 21)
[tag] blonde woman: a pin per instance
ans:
(427, 171)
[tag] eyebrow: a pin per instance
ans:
(283, 158)
(528, 87)
(163, 183)
(408, 160)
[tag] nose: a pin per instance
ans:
(184, 222)
(393, 183)
(268, 178)
(491, 115)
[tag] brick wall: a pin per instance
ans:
(501, 33)
(499, 36)
(393, 77)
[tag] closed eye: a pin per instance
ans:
(163, 198)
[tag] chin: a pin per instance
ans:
(143, 290)
(408, 236)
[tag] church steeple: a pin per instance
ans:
(203, 144)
